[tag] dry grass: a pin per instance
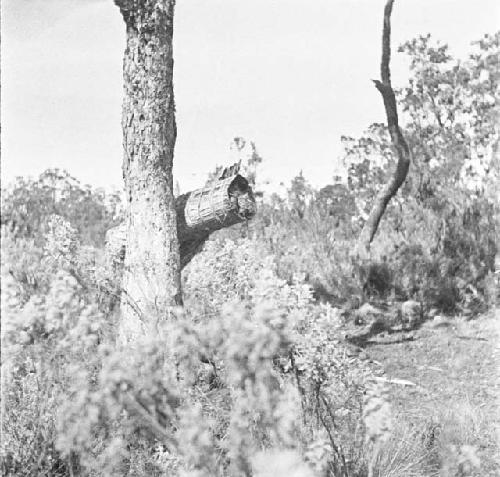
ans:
(448, 423)
(406, 454)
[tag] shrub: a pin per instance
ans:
(439, 257)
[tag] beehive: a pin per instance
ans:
(215, 203)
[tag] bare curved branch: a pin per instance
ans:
(398, 141)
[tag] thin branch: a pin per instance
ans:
(385, 72)
(149, 421)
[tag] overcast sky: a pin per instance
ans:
(291, 75)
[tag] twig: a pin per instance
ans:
(155, 427)
(299, 386)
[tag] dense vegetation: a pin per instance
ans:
(254, 376)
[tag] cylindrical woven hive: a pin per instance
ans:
(212, 203)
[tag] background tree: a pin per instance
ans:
(28, 204)
(452, 116)
(152, 271)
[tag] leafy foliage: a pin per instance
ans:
(27, 204)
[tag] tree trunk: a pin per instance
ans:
(398, 140)
(151, 282)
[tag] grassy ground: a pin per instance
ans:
(454, 402)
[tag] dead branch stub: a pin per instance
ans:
(220, 204)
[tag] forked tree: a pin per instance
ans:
(151, 281)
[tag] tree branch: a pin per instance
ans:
(398, 141)
(192, 237)
(385, 72)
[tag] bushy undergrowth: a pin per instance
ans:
(251, 376)
(442, 256)
(219, 390)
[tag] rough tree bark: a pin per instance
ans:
(151, 282)
(398, 141)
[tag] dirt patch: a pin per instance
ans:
(453, 367)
